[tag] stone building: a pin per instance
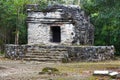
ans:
(59, 25)
(57, 31)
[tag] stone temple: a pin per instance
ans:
(59, 33)
(59, 25)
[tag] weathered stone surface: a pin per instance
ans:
(69, 53)
(75, 26)
(15, 51)
(91, 53)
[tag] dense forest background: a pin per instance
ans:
(104, 15)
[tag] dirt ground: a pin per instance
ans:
(25, 70)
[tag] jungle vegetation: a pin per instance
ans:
(104, 15)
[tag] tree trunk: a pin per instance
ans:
(17, 30)
(17, 37)
(78, 2)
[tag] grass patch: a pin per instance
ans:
(1, 53)
(49, 70)
(89, 65)
(87, 68)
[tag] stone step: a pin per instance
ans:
(45, 54)
(43, 51)
(38, 51)
(42, 59)
(50, 57)
(46, 49)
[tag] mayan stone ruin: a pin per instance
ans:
(66, 25)
(59, 33)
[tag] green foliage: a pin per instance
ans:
(43, 4)
(1, 42)
(104, 15)
(106, 18)
(12, 18)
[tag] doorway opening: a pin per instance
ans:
(55, 34)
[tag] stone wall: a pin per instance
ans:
(90, 53)
(15, 51)
(41, 34)
(69, 53)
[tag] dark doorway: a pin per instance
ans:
(55, 34)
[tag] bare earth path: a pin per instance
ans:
(22, 70)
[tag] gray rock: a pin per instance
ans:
(118, 76)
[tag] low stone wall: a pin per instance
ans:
(74, 53)
(90, 53)
(15, 51)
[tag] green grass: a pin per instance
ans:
(1, 53)
(88, 66)
(83, 68)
